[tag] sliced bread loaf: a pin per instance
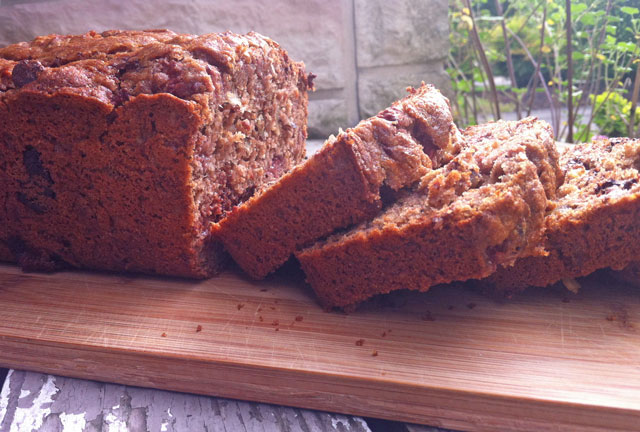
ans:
(341, 184)
(482, 210)
(595, 222)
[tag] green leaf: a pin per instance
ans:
(626, 46)
(576, 8)
(556, 17)
(464, 86)
(588, 19)
(611, 29)
(581, 35)
(628, 10)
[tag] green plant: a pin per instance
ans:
(615, 116)
(567, 50)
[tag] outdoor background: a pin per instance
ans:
(572, 63)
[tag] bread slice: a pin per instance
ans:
(482, 210)
(118, 149)
(595, 222)
(341, 184)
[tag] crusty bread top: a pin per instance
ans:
(597, 174)
(401, 143)
(514, 159)
(535, 135)
(113, 66)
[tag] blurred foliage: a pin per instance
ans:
(614, 116)
(605, 48)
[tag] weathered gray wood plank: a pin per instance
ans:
(32, 401)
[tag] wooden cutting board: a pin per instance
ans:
(547, 360)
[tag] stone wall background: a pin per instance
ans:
(364, 52)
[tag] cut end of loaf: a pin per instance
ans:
(341, 184)
(122, 147)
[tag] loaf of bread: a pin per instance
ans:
(119, 149)
(341, 184)
(595, 222)
(482, 210)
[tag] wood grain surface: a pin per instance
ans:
(546, 360)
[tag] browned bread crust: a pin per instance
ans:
(120, 148)
(483, 209)
(596, 220)
(340, 185)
